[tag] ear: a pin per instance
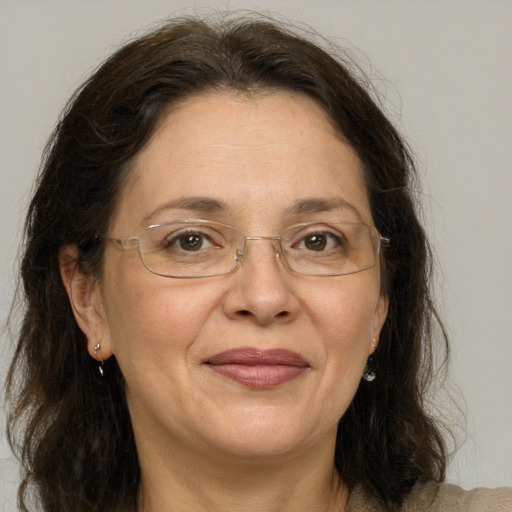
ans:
(379, 317)
(86, 302)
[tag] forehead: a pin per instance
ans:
(255, 155)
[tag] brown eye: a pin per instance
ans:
(191, 242)
(320, 242)
(316, 242)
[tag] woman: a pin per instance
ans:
(227, 290)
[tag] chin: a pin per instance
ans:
(264, 439)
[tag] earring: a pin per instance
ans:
(369, 374)
(100, 365)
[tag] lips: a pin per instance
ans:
(258, 369)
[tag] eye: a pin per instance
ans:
(320, 241)
(190, 241)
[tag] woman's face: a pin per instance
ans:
(260, 164)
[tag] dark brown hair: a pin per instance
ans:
(71, 428)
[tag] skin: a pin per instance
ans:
(205, 441)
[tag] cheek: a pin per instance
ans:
(344, 309)
(153, 321)
(343, 315)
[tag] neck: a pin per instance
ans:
(173, 481)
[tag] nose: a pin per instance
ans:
(262, 289)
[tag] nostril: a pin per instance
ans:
(282, 313)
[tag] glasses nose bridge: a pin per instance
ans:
(241, 254)
(274, 237)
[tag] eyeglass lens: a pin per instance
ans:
(203, 249)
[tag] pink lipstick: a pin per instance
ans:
(258, 369)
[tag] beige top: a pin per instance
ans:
(434, 497)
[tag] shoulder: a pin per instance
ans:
(435, 497)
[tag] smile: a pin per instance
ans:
(258, 369)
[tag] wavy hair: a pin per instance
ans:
(69, 427)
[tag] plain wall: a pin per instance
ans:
(445, 68)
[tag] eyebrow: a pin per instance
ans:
(200, 204)
(316, 205)
(204, 204)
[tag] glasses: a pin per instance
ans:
(191, 249)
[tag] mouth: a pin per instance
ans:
(258, 369)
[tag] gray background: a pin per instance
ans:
(445, 69)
